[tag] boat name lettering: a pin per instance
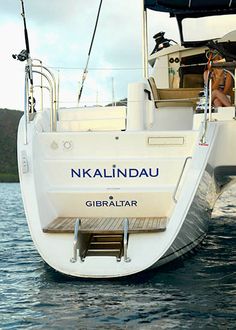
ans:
(114, 173)
(112, 203)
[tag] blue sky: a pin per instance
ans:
(60, 32)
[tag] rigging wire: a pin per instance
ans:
(89, 52)
(93, 69)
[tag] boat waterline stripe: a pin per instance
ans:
(189, 244)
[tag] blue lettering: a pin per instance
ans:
(133, 172)
(108, 176)
(86, 172)
(143, 173)
(111, 203)
(124, 174)
(114, 173)
(97, 173)
(73, 172)
(153, 175)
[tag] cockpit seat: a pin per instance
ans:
(174, 97)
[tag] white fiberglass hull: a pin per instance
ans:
(195, 225)
(187, 220)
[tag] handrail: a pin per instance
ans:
(224, 65)
(41, 86)
(207, 91)
(52, 89)
(210, 99)
(53, 115)
(76, 241)
(26, 112)
(54, 96)
(180, 177)
(145, 43)
(50, 72)
(126, 231)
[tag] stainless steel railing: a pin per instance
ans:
(125, 240)
(76, 242)
(52, 81)
(46, 75)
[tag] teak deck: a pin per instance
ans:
(106, 225)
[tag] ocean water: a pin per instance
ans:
(198, 292)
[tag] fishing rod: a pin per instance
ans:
(27, 43)
(24, 55)
(89, 52)
(25, 29)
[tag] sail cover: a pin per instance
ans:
(192, 8)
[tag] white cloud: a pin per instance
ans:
(12, 74)
(60, 33)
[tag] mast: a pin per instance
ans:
(145, 41)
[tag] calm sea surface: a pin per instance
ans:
(197, 293)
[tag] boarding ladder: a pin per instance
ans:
(100, 237)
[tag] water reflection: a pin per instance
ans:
(195, 293)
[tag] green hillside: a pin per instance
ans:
(9, 120)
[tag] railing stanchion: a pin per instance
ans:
(126, 232)
(76, 241)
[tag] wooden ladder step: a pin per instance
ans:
(107, 238)
(102, 250)
(104, 253)
(105, 245)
